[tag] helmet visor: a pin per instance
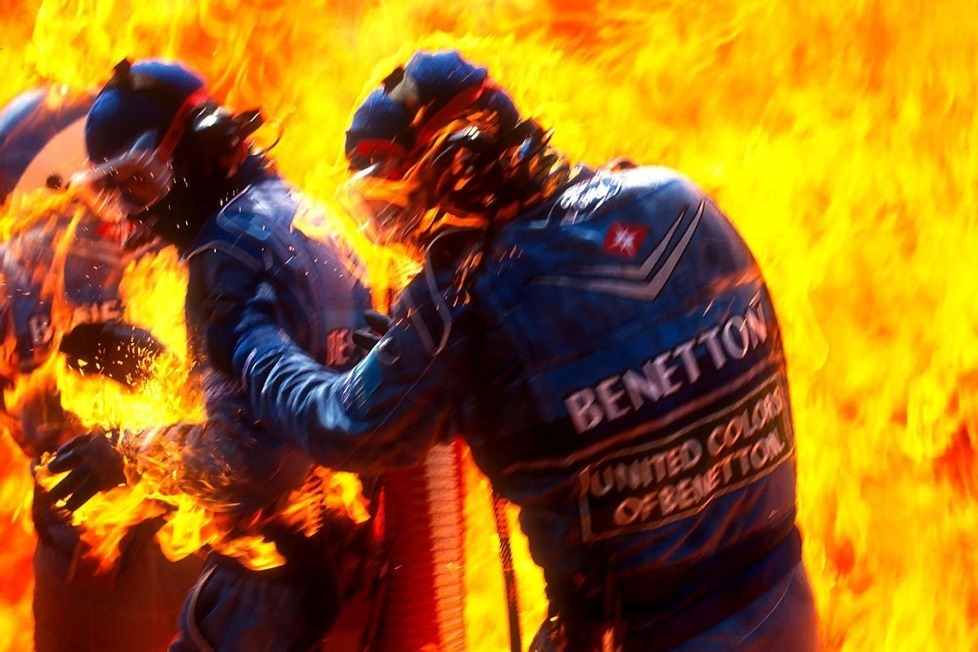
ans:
(389, 210)
(127, 184)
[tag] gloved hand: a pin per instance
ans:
(115, 350)
(379, 324)
(95, 466)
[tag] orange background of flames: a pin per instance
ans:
(841, 138)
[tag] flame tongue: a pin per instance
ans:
(152, 291)
(839, 137)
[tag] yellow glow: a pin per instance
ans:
(841, 138)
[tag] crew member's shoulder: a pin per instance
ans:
(651, 180)
(244, 227)
(264, 197)
(609, 188)
(259, 205)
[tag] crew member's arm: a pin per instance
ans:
(214, 462)
(221, 280)
(385, 412)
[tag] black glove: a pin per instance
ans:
(95, 466)
(116, 350)
(379, 324)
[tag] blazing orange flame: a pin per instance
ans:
(152, 291)
(840, 138)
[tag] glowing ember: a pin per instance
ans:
(841, 139)
(155, 419)
(152, 292)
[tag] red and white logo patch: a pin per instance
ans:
(624, 239)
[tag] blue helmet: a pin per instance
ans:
(41, 141)
(419, 99)
(439, 141)
(145, 97)
(161, 148)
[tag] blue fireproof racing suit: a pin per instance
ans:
(613, 359)
(321, 301)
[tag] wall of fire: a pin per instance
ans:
(841, 138)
